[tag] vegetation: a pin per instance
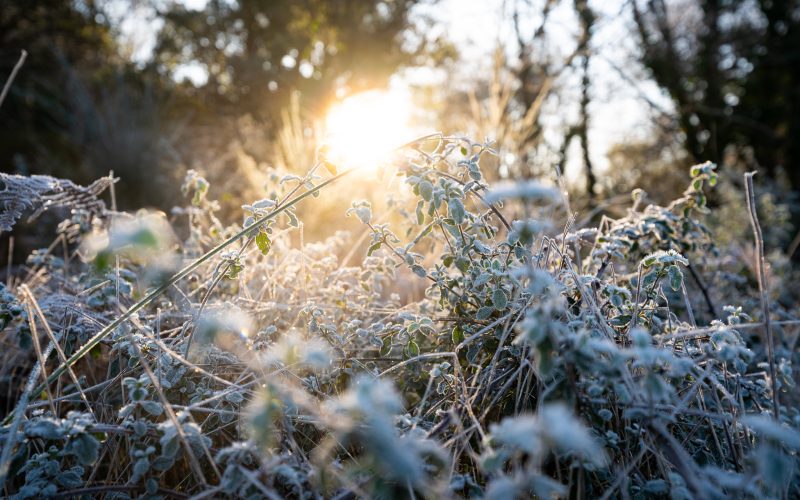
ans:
(543, 355)
(226, 274)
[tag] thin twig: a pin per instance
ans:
(105, 488)
(704, 290)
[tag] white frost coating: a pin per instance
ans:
(37, 193)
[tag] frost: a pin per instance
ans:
(768, 428)
(554, 427)
(38, 193)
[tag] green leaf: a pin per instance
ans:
(412, 349)
(649, 279)
(457, 335)
(163, 463)
(675, 277)
(373, 247)
(152, 407)
(386, 348)
(426, 190)
(140, 468)
(86, 448)
(462, 263)
(499, 299)
(263, 242)
(484, 312)
(621, 320)
(145, 238)
(457, 211)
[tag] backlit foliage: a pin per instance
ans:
(542, 356)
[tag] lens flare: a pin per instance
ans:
(363, 129)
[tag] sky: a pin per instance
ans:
(618, 110)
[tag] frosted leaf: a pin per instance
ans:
(520, 432)
(368, 395)
(503, 487)
(664, 258)
(568, 434)
(294, 351)
(145, 237)
(768, 428)
(553, 428)
(226, 327)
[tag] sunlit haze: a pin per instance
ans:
(363, 129)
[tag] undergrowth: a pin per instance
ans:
(152, 356)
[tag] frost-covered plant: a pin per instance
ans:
(538, 358)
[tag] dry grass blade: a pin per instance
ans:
(23, 55)
(193, 462)
(34, 306)
(16, 417)
(763, 289)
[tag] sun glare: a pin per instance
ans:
(363, 129)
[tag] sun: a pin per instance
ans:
(364, 129)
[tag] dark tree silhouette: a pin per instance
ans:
(733, 71)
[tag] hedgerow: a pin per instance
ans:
(544, 356)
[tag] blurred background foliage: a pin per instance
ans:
(238, 90)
